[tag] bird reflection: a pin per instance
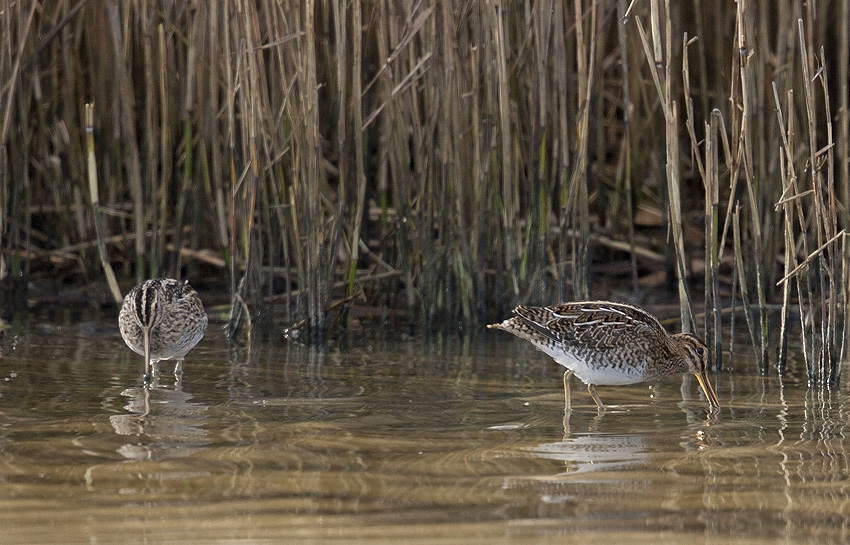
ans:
(595, 452)
(163, 422)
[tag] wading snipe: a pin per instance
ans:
(610, 344)
(162, 319)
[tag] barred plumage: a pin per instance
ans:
(162, 319)
(610, 344)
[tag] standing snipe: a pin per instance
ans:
(610, 344)
(162, 319)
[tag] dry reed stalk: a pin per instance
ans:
(149, 146)
(400, 158)
(562, 165)
(585, 74)
(807, 65)
(309, 181)
(213, 119)
(129, 143)
(508, 191)
(94, 193)
(538, 171)
(343, 131)
(461, 182)
(663, 63)
(789, 178)
(827, 336)
(624, 163)
(805, 298)
(256, 112)
(20, 187)
(824, 219)
(831, 225)
(843, 141)
(710, 175)
(789, 260)
(845, 311)
(187, 175)
(788, 199)
(166, 138)
(236, 304)
(712, 211)
(742, 277)
(745, 158)
(478, 159)
(16, 66)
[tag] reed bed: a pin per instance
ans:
(438, 160)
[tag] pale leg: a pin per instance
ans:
(592, 390)
(567, 405)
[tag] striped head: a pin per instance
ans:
(695, 359)
(146, 303)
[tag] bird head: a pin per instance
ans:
(146, 305)
(695, 358)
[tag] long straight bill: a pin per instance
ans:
(148, 354)
(708, 390)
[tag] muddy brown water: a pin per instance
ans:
(404, 440)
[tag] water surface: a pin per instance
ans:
(387, 441)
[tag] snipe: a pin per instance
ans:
(610, 344)
(162, 319)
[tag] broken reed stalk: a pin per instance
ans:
(712, 210)
(663, 63)
(790, 201)
(709, 173)
(819, 362)
(806, 299)
(825, 365)
(823, 318)
(94, 193)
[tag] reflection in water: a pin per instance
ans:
(446, 441)
(581, 454)
(162, 421)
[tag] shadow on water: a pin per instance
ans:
(385, 440)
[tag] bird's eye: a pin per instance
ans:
(700, 351)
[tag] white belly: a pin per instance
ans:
(592, 374)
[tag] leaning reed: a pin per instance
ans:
(442, 159)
